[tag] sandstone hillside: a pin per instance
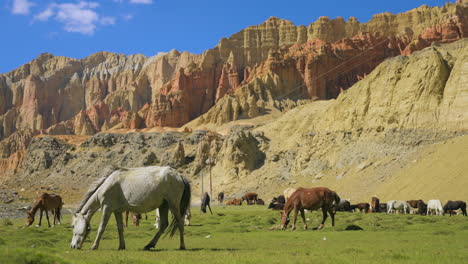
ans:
(398, 133)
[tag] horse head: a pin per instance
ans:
(284, 220)
(81, 229)
(29, 218)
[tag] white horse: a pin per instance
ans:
(288, 192)
(138, 190)
(434, 207)
(394, 205)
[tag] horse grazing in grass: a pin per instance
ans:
(451, 206)
(205, 202)
(137, 190)
(234, 201)
(250, 198)
(279, 199)
(434, 207)
(395, 206)
(375, 205)
(136, 217)
(310, 199)
(46, 202)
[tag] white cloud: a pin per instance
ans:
(107, 20)
(147, 2)
(78, 17)
(21, 7)
(44, 15)
(127, 17)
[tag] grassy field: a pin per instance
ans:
(245, 235)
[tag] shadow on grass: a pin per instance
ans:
(195, 249)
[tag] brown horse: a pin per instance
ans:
(234, 201)
(375, 205)
(310, 199)
(414, 205)
(46, 202)
(250, 197)
(135, 218)
(363, 207)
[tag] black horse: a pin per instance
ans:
(343, 206)
(221, 197)
(280, 199)
(276, 206)
(205, 202)
(422, 207)
(451, 206)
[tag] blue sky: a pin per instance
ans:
(77, 28)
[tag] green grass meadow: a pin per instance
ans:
(245, 235)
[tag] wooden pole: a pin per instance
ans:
(201, 196)
(211, 185)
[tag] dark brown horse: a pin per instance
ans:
(363, 207)
(250, 197)
(46, 202)
(375, 205)
(309, 199)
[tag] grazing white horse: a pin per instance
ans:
(434, 207)
(137, 190)
(395, 205)
(288, 192)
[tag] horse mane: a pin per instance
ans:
(108, 171)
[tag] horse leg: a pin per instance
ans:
(324, 212)
(40, 218)
(120, 229)
(47, 216)
(54, 212)
(59, 215)
(180, 224)
(126, 218)
(303, 218)
(209, 207)
(332, 215)
(102, 226)
(296, 210)
(163, 223)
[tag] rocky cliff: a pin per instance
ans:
(384, 126)
(275, 60)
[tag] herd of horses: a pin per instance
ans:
(140, 190)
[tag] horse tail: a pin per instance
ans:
(184, 206)
(336, 198)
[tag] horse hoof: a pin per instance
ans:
(37, 226)
(147, 248)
